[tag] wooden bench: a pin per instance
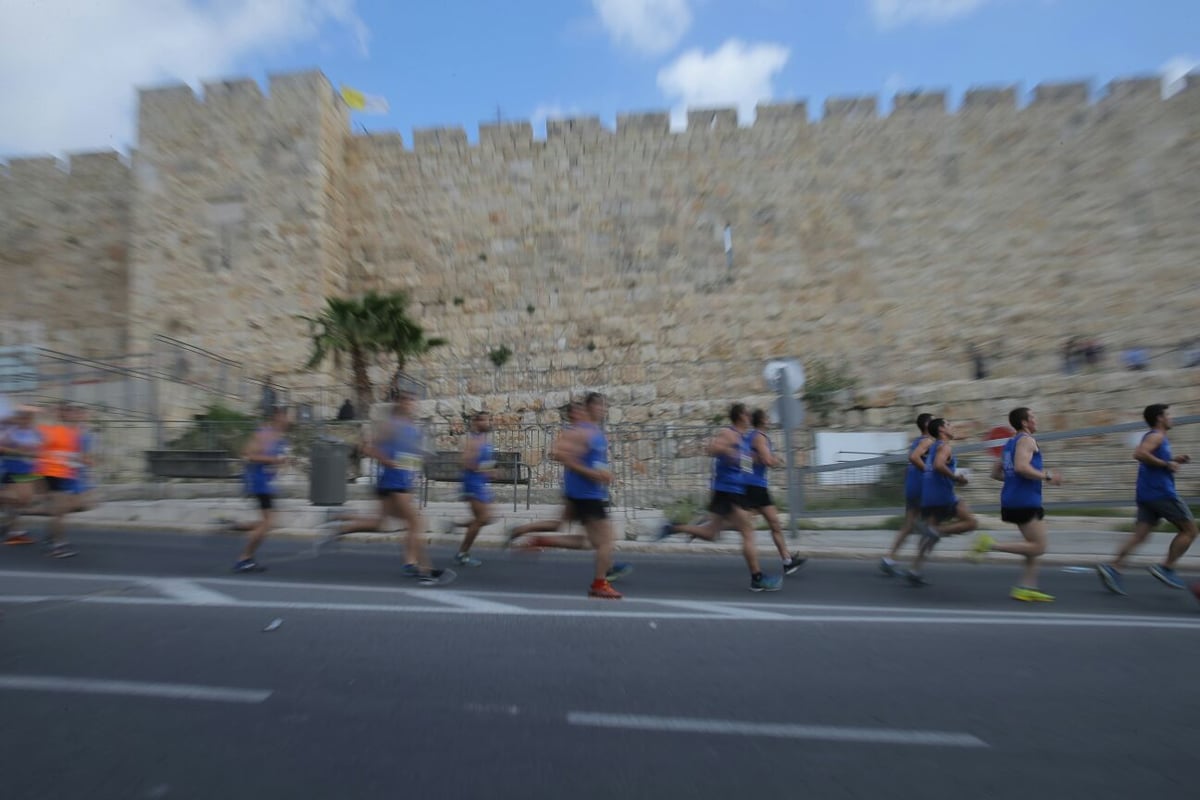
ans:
(445, 466)
(193, 464)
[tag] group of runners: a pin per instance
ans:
(49, 462)
(53, 461)
(934, 511)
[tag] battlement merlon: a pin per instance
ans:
(440, 140)
(919, 102)
(648, 123)
(1145, 88)
(711, 119)
(1075, 93)
(769, 114)
(849, 108)
(507, 136)
(1001, 98)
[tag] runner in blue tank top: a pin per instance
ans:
(758, 495)
(585, 459)
(1157, 500)
(733, 462)
(1020, 467)
(914, 472)
(263, 455)
(20, 447)
(398, 447)
(939, 504)
(479, 465)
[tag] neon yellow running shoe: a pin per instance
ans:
(1027, 594)
(983, 543)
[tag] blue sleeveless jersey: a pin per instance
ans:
(1019, 491)
(912, 476)
(758, 475)
(937, 489)
(260, 478)
(403, 443)
(730, 472)
(577, 487)
(1156, 483)
(26, 438)
(475, 481)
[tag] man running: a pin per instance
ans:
(939, 503)
(914, 472)
(398, 446)
(20, 447)
(758, 494)
(1021, 469)
(264, 454)
(732, 461)
(479, 464)
(1157, 499)
(59, 453)
(575, 416)
(584, 455)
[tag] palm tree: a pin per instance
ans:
(361, 329)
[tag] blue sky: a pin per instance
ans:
(68, 70)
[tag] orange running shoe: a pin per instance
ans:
(603, 590)
(19, 537)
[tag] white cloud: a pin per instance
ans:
(68, 69)
(649, 26)
(1175, 72)
(894, 13)
(736, 73)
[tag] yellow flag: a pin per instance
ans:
(366, 103)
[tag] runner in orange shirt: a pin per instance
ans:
(61, 451)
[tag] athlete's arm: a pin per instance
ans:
(470, 455)
(761, 454)
(917, 456)
(1145, 452)
(998, 471)
(256, 451)
(372, 450)
(1023, 462)
(724, 444)
(572, 454)
(941, 463)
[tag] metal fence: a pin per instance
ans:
(661, 467)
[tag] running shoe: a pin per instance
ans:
(604, 591)
(411, 571)
(983, 544)
(793, 563)
(62, 550)
(329, 532)
(435, 577)
(915, 579)
(766, 583)
(510, 535)
(1111, 579)
(1029, 594)
(18, 537)
(618, 570)
(1167, 576)
(888, 567)
(467, 560)
(666, 530)
(248, 565)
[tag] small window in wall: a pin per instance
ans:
(225, 216)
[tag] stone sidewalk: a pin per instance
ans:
(1074, 540)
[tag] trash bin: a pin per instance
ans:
(327, 475)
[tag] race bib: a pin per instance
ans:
(484, 466)
(747, 463)
(408, 462)
(601, 466)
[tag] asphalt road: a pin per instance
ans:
(141, 669)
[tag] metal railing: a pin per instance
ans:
(660, 466)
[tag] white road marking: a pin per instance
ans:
(464, 602)
(776, 730)
(189, 592)
(614, 611)
(170, 691)
(723, 610)
(195, 592)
